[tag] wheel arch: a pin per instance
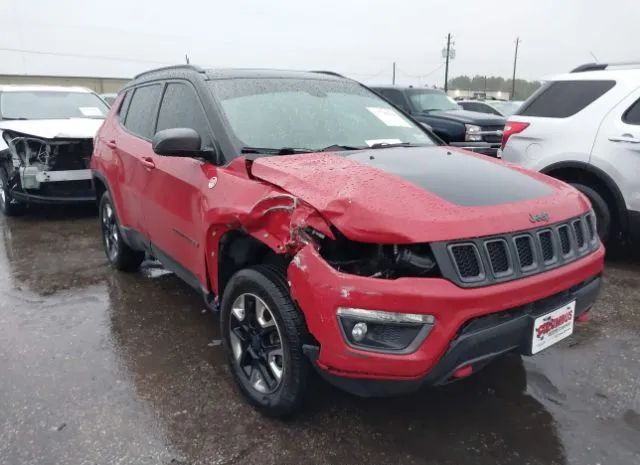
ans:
(100, 185)
(575, 171)
(237, 249)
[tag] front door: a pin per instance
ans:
(174, 201)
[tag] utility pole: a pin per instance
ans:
(446, 67)
(515, 62)
(448, 53)
(393, 79)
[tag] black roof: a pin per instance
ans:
(231, 73)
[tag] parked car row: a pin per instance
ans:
(336, 230)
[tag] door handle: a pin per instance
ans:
(626, 138)
(147, 162)
(111, 144)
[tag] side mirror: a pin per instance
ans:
(177, 142)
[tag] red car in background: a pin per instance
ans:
(333, 231)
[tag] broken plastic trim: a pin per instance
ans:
(378, 260)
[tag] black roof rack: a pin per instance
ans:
(170, 68)
(602, 66)
(329, 73)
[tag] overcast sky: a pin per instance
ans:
(360, 38)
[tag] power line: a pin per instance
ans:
(78, 55)
(420, 76)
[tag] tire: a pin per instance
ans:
(247, 349)
(119, 254)
(601, 209)
(8, 205)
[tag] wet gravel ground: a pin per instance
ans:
(101, 367)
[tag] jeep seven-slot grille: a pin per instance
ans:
(498, 256)
(485, 260)
(524, 247)
(565, 242)
(467, 261)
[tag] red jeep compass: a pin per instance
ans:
(333, 231)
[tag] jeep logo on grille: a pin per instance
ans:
(538, 217)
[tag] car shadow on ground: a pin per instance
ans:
(171, 348)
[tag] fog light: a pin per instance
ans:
(359, 331)
(379, 330)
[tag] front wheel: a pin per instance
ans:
(263, 332)
(119, 254)
(8, 205)
(601, 210)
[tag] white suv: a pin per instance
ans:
(584, 128)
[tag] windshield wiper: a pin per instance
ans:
(274, 151)
(9, 118)
(383, 145)
(338, 148)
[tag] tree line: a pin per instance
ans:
(494, 83)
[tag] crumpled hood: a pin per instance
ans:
(72, 128)
(421, 194)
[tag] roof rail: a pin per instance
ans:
(329, 73)
(602, 66)
(172, 67)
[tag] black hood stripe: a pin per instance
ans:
(458, 178)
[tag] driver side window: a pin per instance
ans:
(181, 108)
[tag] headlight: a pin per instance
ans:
(384, 331)
(471, 133)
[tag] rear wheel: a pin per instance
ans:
(263, 332)
(601, 210)
(8, 206)
(119, 254)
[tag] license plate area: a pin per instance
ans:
(552, 327)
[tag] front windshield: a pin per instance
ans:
(311, 114)
(506, 108)
(51, 105)
(432, 101)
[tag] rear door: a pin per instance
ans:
(617, 148)
(174, 201)
(132, 144)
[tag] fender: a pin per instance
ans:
(602, 176)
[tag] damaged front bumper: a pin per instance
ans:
(471, 326)
(48, 171)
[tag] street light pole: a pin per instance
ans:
(393, 79)
(515, 62)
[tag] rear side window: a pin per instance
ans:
(124, 107)
(632, 115)
(142, 110)
(181, 108)
(561, 99)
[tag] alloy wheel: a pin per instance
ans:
(256, 343)
(110, 231)
(3, 195)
